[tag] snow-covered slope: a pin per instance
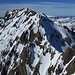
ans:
(32, 44)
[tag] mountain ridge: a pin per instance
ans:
(32, 44)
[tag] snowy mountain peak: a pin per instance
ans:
(32, 44)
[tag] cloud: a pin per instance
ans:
(49, 8)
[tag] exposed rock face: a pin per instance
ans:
(31, 44)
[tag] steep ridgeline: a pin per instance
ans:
(31, 44)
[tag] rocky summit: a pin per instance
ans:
(32, 43)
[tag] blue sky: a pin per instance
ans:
(49, 7)
(32, 1)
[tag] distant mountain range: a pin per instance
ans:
(1, 17)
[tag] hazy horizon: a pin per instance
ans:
(59, 8)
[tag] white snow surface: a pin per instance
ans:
(45, 62)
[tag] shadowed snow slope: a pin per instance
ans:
(32, 44)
